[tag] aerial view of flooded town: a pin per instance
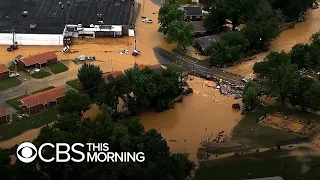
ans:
(155, 89)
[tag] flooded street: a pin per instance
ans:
(287, 39)
(201, 114)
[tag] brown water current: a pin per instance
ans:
(287, 39)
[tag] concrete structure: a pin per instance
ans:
(203, 43)
(4, 71)
(41, 101)
(193, 13)
(45, 22)
(269, 178)
(4, 117)
(38, 60)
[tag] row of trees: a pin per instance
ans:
(172, 24)
(261, 24)
(262, 20)
(122, 136)
(139, 89)
(285, 82)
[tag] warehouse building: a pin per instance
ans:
(47, 22)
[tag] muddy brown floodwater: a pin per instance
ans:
(287, 39)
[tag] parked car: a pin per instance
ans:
(147, 20)
(13, 75)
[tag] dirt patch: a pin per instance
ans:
(290, 124)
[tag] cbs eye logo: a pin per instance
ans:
(26, 152)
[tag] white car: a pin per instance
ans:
(36, 70)
(13, 75)
(147, 20)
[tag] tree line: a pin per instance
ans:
(282, 75)
(261, 20)
(147, 89)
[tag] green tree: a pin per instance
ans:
(235, 38)
(312, 96)
(168, 13)
(250, 97)
(263, 26)
(180, 32)
(121, 136)
(90, 77)
(297, 95)
(74, 102)
(291, 9)
(222, 53)
(300, 55)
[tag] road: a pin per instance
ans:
(165, 57)
(33, 85)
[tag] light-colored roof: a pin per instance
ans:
(43, 97)
(3, 68)
(269, 178)
(2, 112)
(38, 58)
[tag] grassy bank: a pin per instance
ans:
(58, 68)
(75, 84)
(250, 134)
(17, 126)
(9, 83)
(44, 89)
(40, 74)
(266, 164)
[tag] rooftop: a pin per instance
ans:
(49, 17)
(43, 97)
(3, 68)
(206, 41)
(2, 112)
(192, 11)
(198, 26)
(115, 74)
(40, 58)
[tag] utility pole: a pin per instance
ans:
(111, 65)
(135, 41)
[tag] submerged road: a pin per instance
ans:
(165, 57)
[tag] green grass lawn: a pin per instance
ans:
(9, 83)
(266, 164)
(252, 135)
(14, 102)
(40, 74)
(58, 68)
(172, 67)
(41, 90)
(75, 84)
(17, 127)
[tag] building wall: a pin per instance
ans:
(4, 75)
(32, 39)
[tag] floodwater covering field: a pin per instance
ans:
(202, 113)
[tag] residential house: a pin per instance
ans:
(37, 60)
(199, 29)
(41, 101)
(4, 71)
(269, 178)
(115, 74)
(202, 43)
(4, 117)
(193, 13)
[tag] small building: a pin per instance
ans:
(38, 60)
(4, 71)
(203, 43)
(199, 29)
(115, 74)
(156, 67)
(193, 13)
(268, 178)
(41, 101)
(4, 117)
